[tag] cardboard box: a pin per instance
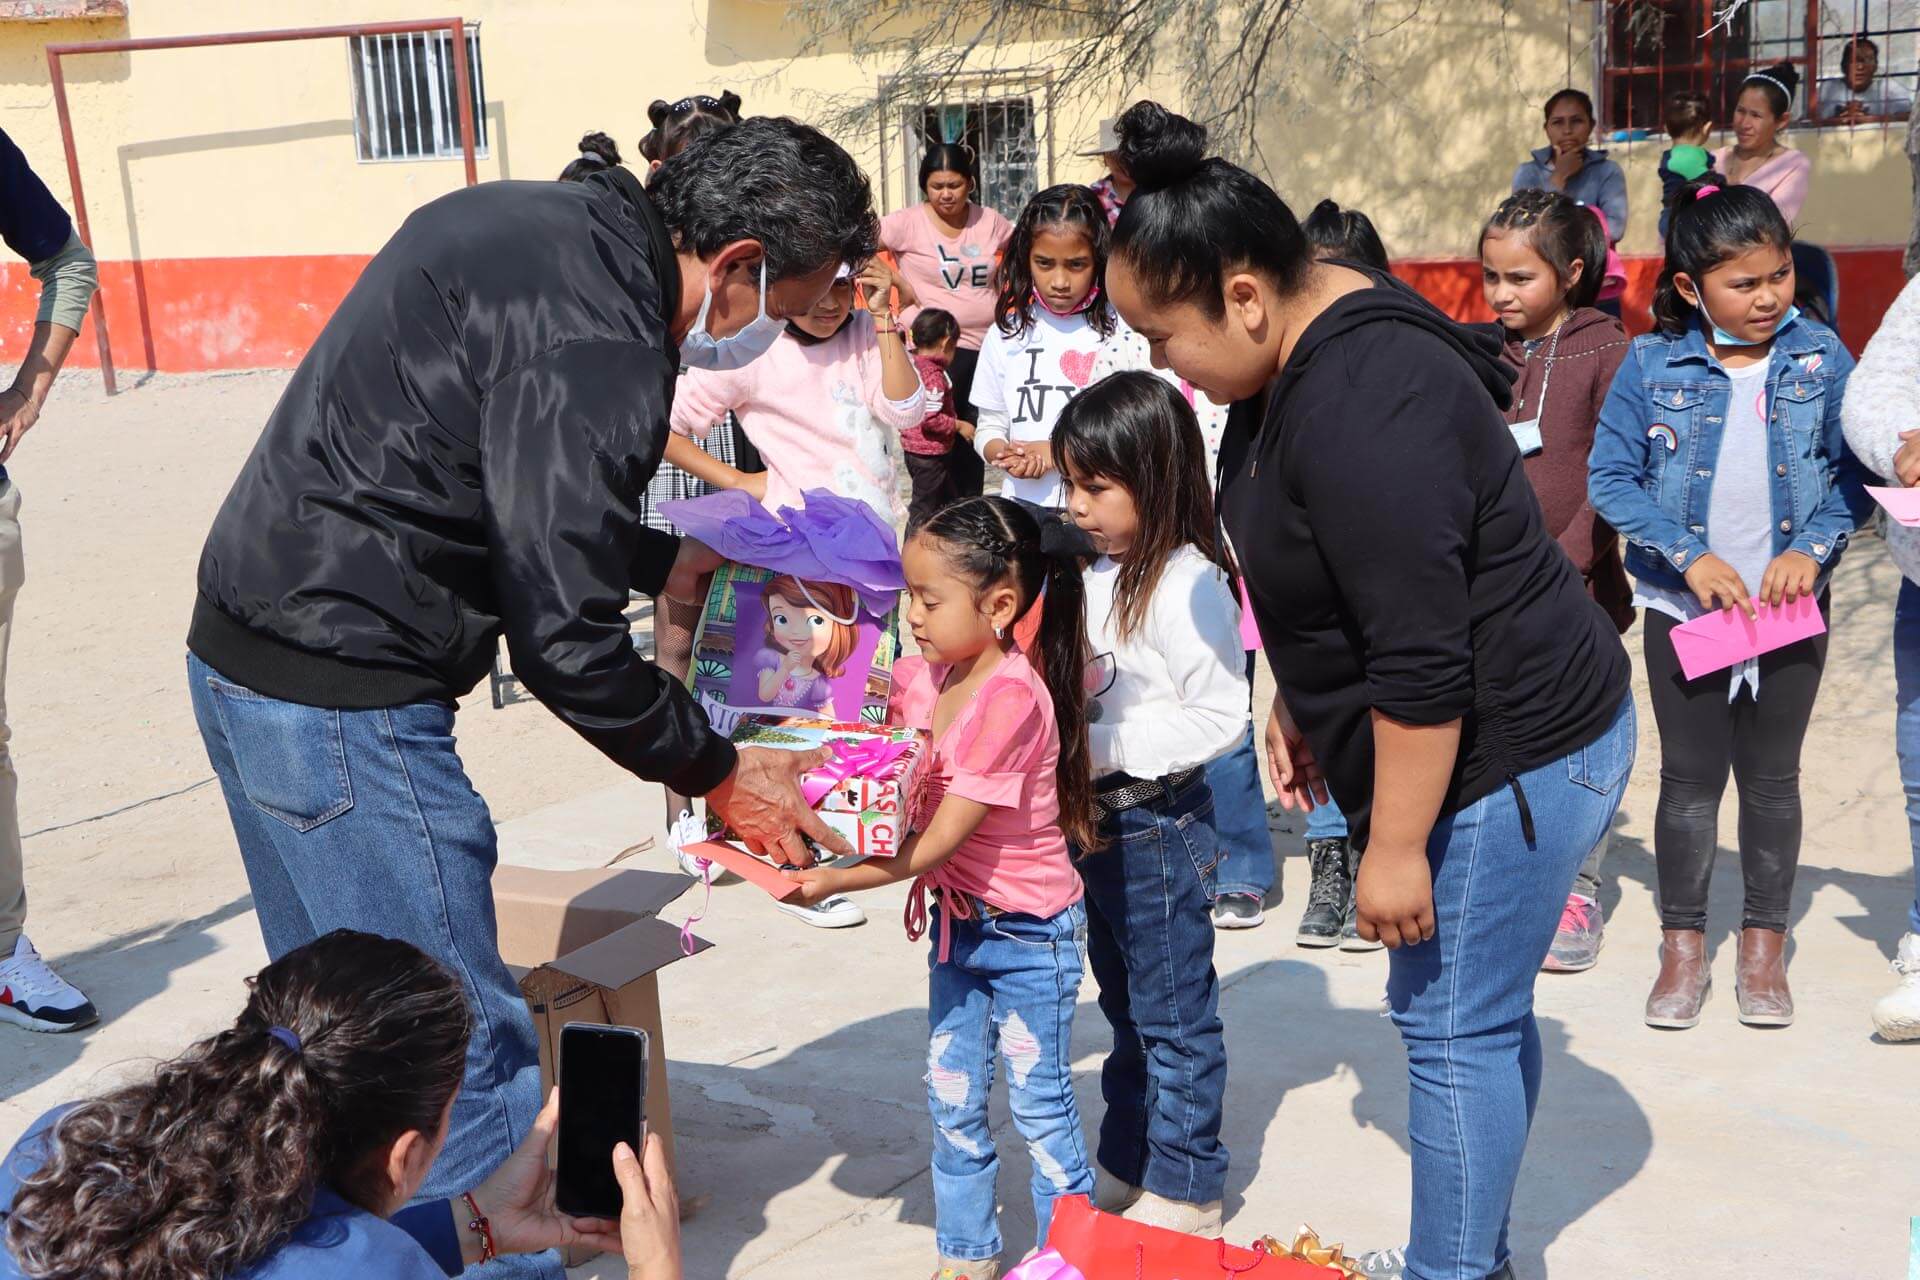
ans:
(587, 946)
(870, 812)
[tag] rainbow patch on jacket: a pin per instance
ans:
(1664, 434)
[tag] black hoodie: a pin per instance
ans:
(1396, 556)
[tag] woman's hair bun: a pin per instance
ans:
(600, 146)
(1159, 147)
(1786, 73)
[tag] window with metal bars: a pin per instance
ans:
(1005, 119)
(405, 105)
(1655, 47)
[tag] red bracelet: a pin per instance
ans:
(481, 1226)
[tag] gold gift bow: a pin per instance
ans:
(1307, 1248)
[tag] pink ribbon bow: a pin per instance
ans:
(865, 758)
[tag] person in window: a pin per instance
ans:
(1858, 93)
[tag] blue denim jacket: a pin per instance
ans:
(1658, 439)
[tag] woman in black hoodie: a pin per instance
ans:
(1440, 666)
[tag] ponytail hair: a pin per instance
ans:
(1193, 219)
(1135, 430)
(993, 540)
(1709, 224)
(196, 1174)
(1562, 231)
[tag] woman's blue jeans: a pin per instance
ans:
(1150, 943)
(1464, 999)
(366, 820)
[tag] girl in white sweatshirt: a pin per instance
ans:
(1170, 695)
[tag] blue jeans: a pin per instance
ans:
(1240, 820)
(366, 820)
(1326, 822)
(1906, 674)
(1464, 1000)
(1150, 944)
(1010, 981)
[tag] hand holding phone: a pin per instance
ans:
(603, 1088)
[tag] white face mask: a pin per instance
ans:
(701, 350)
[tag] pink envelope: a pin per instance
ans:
(1902, 504)
(1715, 641)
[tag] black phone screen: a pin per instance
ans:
(603, 1085)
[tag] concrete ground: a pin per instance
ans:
(797, 1055)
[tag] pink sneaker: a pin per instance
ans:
(1576, 943)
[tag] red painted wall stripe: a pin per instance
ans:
(189, 315)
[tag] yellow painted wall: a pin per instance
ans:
(249, 151)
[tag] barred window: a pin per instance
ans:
(1008, 122)
(405, 106)
(1859, 60)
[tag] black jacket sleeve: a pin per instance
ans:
(568, 442)
(1387, 487)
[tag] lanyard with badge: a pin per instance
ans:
(1527, 434)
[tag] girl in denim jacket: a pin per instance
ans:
(1719, 457)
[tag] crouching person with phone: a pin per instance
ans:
(289, 1145)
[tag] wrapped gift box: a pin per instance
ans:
(865, 793)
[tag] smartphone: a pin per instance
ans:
(603, 1097)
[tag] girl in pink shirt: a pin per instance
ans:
(1006, 786)
(821, 406)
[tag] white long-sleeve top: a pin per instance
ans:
(1883, 399)
(1178, 697)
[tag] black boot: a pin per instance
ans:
(1350, 939)
(1330, 895)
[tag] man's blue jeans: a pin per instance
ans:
(366, 820)
(1240, 818)
(1906, 674)
(1464, 999)
(1150, 944)
(1010, 983)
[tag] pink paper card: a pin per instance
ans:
(753, 870)
(1902, 504)
(1715, 641)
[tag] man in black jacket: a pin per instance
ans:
(463, 455)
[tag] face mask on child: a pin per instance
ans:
(1724, 339)
(701, 350)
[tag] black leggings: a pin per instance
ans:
(1701, 735)
(966, 470)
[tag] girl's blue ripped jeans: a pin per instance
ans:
(1009, 985)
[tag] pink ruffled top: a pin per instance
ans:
(1002, 750)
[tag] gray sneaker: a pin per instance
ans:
(1576, 943)
(1237, 911)
(1384, 1264)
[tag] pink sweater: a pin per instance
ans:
(1784, 177)
(816, 412)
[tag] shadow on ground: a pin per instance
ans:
(852, 1102)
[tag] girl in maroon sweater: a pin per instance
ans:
(1541, 260)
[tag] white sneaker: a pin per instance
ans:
(37, 998)
(835, 911)
(1897, 1015)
